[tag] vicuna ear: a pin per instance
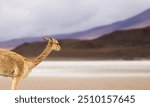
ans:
(45, 39)
(51, 39)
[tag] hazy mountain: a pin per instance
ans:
(138, 21)
(128, 44)
(15, 42)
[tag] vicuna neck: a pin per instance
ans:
(43, 55)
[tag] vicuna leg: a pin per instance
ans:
(15, 82)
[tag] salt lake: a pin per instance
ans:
(92, 69)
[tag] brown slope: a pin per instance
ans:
(131, 38)
(129, 44)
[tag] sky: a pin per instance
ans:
(30, 18)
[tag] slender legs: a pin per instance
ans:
(15, 82)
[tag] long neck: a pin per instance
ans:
(43, 55)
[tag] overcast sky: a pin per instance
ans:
(24, 18)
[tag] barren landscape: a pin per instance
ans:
(85, 75)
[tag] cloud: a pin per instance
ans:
(22, 18)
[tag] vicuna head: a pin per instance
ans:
(54, 43)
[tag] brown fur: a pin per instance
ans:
(16, 66)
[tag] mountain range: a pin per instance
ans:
(127, 44)
(139, 21)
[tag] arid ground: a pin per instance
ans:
(95, 75)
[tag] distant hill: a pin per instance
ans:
(128, 38)
(129, 44)
(139, 21)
